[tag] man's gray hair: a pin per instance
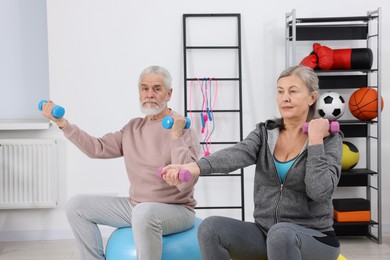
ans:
(160, 71)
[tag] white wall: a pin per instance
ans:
(24, 58)
(96, 52)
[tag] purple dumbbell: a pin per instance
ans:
(184, 175)
(334, 127)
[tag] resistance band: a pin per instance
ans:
(206, 115)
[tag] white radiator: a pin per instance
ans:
(28, 173)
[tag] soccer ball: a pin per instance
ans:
(331, 105)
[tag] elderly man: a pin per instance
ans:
(153, 208)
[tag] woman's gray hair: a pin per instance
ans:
(310, 79)
(160, 71)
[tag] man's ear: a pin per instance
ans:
(169, 94)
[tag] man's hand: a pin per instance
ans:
(177, 129)
(47, 107)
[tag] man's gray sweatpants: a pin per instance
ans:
(149, 220)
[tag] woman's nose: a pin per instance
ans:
(286, 97)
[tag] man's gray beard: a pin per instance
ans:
(153, 111)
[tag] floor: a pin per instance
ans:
(356, 248)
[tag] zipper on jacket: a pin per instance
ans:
(277, 205)
(281, 185)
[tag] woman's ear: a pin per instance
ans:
(313, 97)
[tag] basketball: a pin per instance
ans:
(350, 156)
(363, 104)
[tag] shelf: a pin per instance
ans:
(353, 228)
(355, 223)
(330, 32)
(333, 19)
(359, 171)
(365, 32)
(355, 178)
(28, 124)
(331, 28)
(356, 122)
(342, 81)
(343, 71)
(355, 128)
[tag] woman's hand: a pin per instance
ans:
(170, 173)
(318, 129)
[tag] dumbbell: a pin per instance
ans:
(168, 121)
(57, 111)
(184, 175)
(334, 127)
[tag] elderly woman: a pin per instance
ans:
(296, 176)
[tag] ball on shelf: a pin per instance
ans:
(350, 156)
(341, 257)
(363, 104)
(331, 105)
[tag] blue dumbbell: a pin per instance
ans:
(168, 121)
(57, 111)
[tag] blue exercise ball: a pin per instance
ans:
(183, 245)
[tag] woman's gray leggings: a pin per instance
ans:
(149, 220)
(225, 238)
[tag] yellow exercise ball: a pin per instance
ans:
(350, 156)
(341, 257)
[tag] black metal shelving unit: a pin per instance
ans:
(366, 30)
(236, 78)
